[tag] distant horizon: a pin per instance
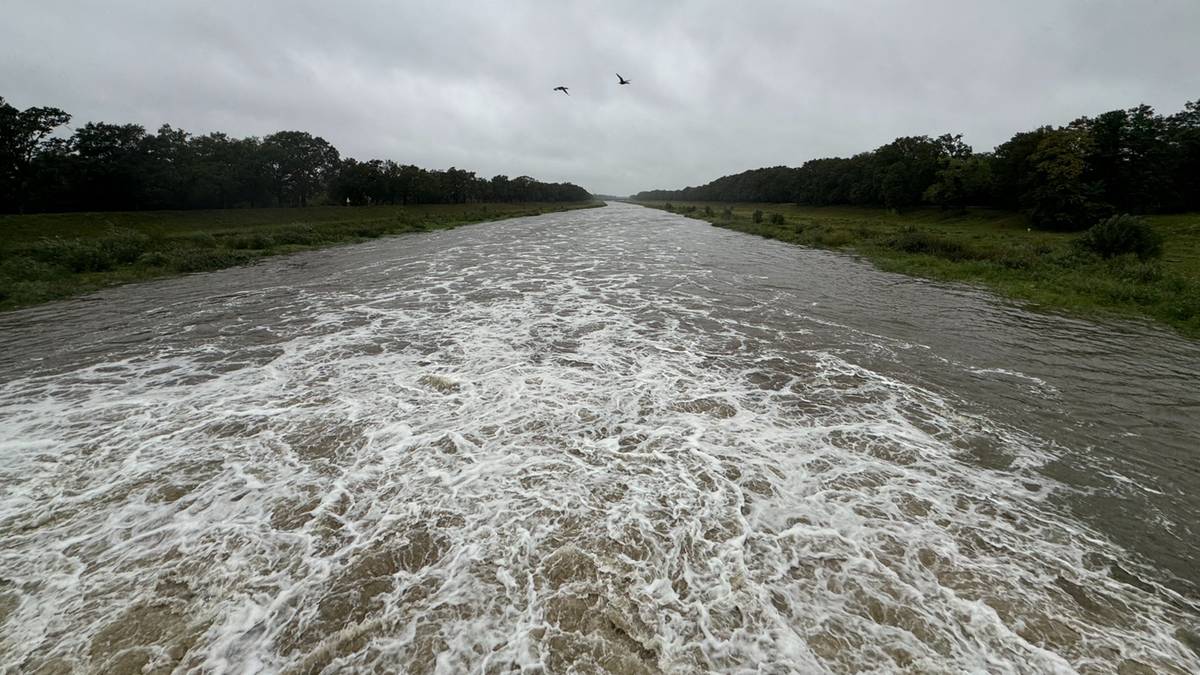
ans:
(78, 121)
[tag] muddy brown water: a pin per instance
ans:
(613, 440)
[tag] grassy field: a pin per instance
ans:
(51, 256)
(997, 250)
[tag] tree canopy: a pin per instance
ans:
(1067, 177)
(102, 167)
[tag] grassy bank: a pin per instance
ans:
(51, 256)
(997, 250)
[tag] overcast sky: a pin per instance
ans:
(718, 86)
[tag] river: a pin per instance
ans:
(610, 440)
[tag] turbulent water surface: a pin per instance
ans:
(612, 440)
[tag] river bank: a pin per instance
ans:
(46, 257)
(995, 249)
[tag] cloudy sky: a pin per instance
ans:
(718, 86)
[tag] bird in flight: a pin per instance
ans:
(562, 89)
(621, 80)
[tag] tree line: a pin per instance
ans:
(120, 167)
(1064, 178)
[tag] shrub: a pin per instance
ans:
(758, 216)
(297, 234)
(77, 255)
(1028, 256)
(708, 210)
(201, 260)
(201, 239)
(370, 231)
(254, 240)
(727, 214)
(777, 219)
(124, 246)
(1137, 270)
(1122, 234)
(669, 206)
(912, 240)
(154, 259)
(837, 239)
(24, 268)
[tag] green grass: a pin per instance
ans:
(997, 250)
(47, 257)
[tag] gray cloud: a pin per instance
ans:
(718, 87)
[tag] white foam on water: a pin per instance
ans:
(1039, 382)
(556, 468)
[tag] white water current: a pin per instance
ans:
(612, 440)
